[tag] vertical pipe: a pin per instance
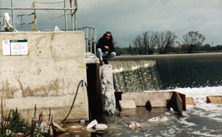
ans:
(13, 20)
(94, 40)
(35, 21)
(76, 6)
(72, 21)
(75, 16)
(65, 15)
(90, 42)
(21, 24)
(85, 29)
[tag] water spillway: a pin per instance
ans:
(160, 72)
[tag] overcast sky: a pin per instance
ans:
(128, 18)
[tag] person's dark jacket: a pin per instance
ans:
(103, 42)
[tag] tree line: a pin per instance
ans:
(150, 42)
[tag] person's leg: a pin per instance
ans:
(99, 54)
(107, 57)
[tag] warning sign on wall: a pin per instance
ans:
(15, 47)
(6, 47)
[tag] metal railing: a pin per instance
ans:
(90, 38)
(24, 23)
(72, 9)
(90, 32)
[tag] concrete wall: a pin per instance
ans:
(48, 76)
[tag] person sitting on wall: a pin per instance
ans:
(105, 48)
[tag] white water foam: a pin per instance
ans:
(207, 111)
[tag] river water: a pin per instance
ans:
(200, 120)
(196, 75)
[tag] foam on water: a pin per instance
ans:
(204, 119)
(195, 117)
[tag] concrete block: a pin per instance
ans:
(159, 102)
(107, 89)
(190, 101)
(157, 99)
(214, 99)
(127, 104)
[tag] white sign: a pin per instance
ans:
(19, 48)
(6, 47)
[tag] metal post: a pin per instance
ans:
(66, 27)
(13, 21)
(72, 21)
(21, 24)
(90, 42)
(35, 21)
(76, 6)
(94, 41)
(86, 36)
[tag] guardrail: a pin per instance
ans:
(72, 9)
(90, 38)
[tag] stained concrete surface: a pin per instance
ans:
(48, 76)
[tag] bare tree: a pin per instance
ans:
(144, 44)
(151, 42)
(193, 39)
(165, 41)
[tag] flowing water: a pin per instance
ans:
(200, 120)
(198, 76)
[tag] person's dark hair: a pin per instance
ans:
(111, 37)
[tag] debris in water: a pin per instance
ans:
(82, 121)
(95, 126)
(134, 125)
(159, 118)
(171, 110)
(92, 124)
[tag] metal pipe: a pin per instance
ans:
(75, 16)
(34, 19)
(90, 42)
(25, 14)
(94, 41)
(13, 20)
(85, 30)
(21, 23)
(66, 26)
(89, 39)
(38, 8)
(72, 21)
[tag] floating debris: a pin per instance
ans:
(134, 125)
(82, 121)
(95, 126)
(159, 118)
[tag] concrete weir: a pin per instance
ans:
(171, 99)
(44, 71)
